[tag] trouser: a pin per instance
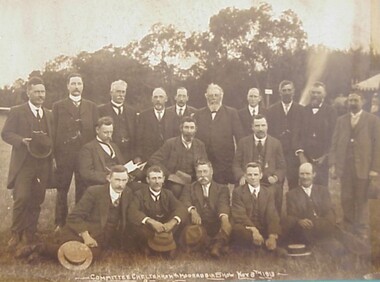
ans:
(242, 237)
(292, 165)
(354, 199)
(29, 194)
(66, 168)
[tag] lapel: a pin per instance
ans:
(213, 194)
(262, 199)
(47, 115)
(69, 106)
(249, 150)
(100, 152)
(267, 151)
(198, 191)
(219, 113)
(103, 202)
(29, 116)
(361, 122)
(247, 198)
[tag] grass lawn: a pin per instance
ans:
(119, 266)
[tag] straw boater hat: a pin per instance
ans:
(194, 236)
(162, 242)
(75, 255)
(180, 177)
(298, 250)
(40, 146)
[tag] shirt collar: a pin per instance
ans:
(154, 192)
(261, 139)
(114, 195)
(357, 114)
(251, 109)
(34, 109)
(307, 189)
(117, 105)
(186, 143)
(251, 189)
(162, 111)
(75, 98)
(183, 108)
(289, 105)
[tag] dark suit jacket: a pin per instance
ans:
(298, 201)
(317, 130)
(18, 126)
(218, 136)
(274, 162)
(142, 206)
(219, 198)
(128, 120)
(189, 111)
(246, 118)
(242, 209)
(168, 156)
(286, 128)
(149, 139)
(366, 144)
(92, 164)
(91, 212)
(65, 124)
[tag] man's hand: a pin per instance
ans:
(306, 223)
(256, 236)
(195, 217)
(26, 141)
(88, 240)
(332, 172)
(225, 224)
(372, 174)
(242, 181)
(302, 157)
(320, 160)
(156, 225)
(271, 242)
(272, 179)
(168, 226)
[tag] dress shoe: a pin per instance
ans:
(216, 250)
(29, 238)
(14, 241)
(25, 251)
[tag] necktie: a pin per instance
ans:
(117, 202)
(354, 120)
(180, 113)
(287, 106)
(213, 114)
(112, 152)
(259, 147)
(38, 114)
(253, 112)
(159, 115)
(155, 197)
(205, 192)
(119, 110)
(254, 194)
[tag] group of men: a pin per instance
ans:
(194, 155)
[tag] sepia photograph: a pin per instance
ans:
(217, 140)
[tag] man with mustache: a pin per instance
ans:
(208, 204)
(284, 123)
(99, 155)
(29, 170)
(179, 155)
(266, 150)
(124, 119)
(74, 123)
(155, 125)
(317, 130)
(355, 159)
(219, 128)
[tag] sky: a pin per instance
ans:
(35, 31)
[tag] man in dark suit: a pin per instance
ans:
(208, 204)
(264, 149)
(316, 133)
(29, 170)
(124, 119)
(154, 210)
(247, 113)
(181, 109)
(219, 128)
(254, 216)
(180, 154)
(99, 219)
(155, 125)
(355, 159)
(284, 123)
(97, 156)
(74, 123)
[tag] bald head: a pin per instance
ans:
(306, 174)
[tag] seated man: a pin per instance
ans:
(311, 218)
(180, 154)
(254, 215)
(97, 156)
(99, 220)
(154, 211)
(208, 204)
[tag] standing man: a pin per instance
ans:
(219, 128)
(355, 159)
(284, 123)
(124, 119)
(98, 156)
(266, 150)
(155, 126)
(208, 204)
(255, 218)
(254, 108)
(181, 109)
(74, 124)
(316, 133)
(154, 210)
(179, 155)
(29, 130)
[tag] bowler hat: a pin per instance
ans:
(193, 236)
(298, 250)
(75, 255)
(162, 242)
(180, 177)
(40, 146)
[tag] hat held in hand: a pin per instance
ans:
(162, 242)
(40, 146)
(74, 255)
